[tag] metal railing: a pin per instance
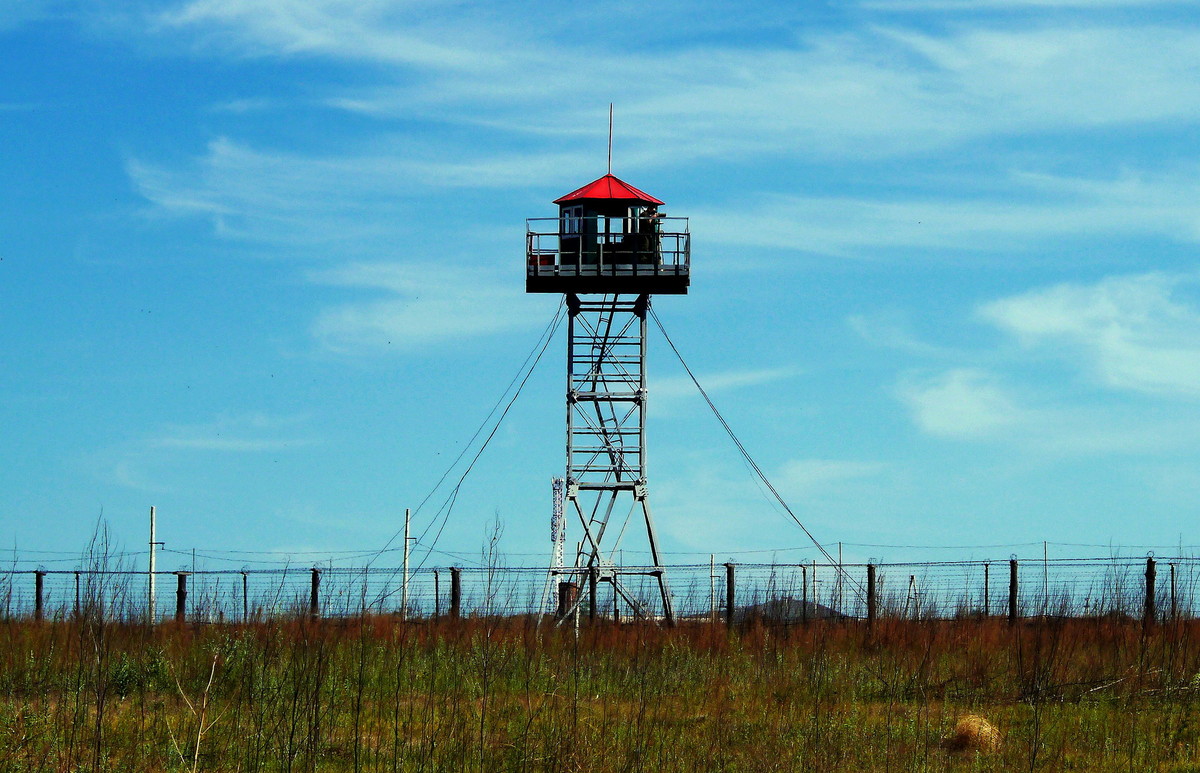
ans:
(659, 249)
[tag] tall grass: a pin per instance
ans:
(1088, 687)
(375, 694)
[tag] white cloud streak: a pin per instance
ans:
(1133, 333)
(681, 387)
(974, 6)
(348, 205)
(153, 463)
(372, 30)
(424, 304)
(16, 14)
(292, 201)
(806, 477)
(872, 91)
(1034, 208)
(1136, 338)
(866, 93)
(960, 403)
(248, 433)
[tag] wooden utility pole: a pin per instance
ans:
(712, 587)
(404, 579)
(151, 612)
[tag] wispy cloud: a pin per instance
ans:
(1042, 422)
(15, 14)
(892, 330)
(1010, 5)
(422, 304)
(154, 463)
(405, 32)
(706, 502)
(862, 93)
(279, 198)
(869, 91)
(1117, 371)
(872, 92)
(359, 202)
(246, 433)
(681, 387)
(960, 403)
(133, 470)
(1034, 208)
(1134, 333)
(806, 477)
(243, 106)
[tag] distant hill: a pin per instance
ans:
(784, 609)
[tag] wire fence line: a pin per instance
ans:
(783, 592)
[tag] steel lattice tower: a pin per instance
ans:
(610, 251)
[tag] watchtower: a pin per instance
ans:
(608, 251)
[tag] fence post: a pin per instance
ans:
(804, 594)
(39, 585)
(314, 596)
(455, 592)
(729, 595)
(245, 598)
(1012, 591)
(77, 606)
(870, 597)
(593, 579)
(1148, 612)
(987, 596)
(180, 596)
(1174, 605)
(437, 599)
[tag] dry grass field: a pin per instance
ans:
(375, 694)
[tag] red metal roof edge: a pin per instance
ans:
(608, 187)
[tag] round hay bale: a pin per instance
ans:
(972, 733)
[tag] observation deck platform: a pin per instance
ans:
(608, 256)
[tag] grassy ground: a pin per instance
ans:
(377, 695)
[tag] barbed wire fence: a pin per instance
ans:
(1136, 587)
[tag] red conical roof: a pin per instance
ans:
(608, 187)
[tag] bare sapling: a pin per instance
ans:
(200, 714)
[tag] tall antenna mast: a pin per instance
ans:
(610, 111)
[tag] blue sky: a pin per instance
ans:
(261, 267)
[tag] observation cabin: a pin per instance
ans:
(609, 237)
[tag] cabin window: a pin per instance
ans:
(631, 222)
(570, 220)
